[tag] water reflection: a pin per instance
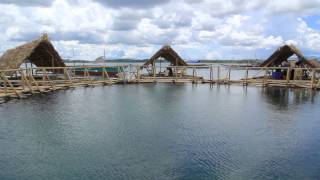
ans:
(284, 97)
(162, 131)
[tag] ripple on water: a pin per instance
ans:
(161, 132)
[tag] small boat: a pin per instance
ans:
(98, 71)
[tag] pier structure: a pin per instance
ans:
(23, 82)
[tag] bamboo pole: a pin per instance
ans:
(193, 74)
(34, 81)
(211, 74)
(3, 76)
(138, 74)
(23, 76)
(176, 73)
(218, 74)
(154, 72)
(48, 78)
(265, 78)
(67, 76)
(288, 75)
(313, 78)
(246, 77)
(106, 75)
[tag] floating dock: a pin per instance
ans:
(24, 82)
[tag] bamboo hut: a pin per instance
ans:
(39, 52)
(284, 53)
(169, 54)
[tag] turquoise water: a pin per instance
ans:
(162, 131)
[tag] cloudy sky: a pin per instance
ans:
(197, 29)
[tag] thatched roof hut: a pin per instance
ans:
(284, 53)
(39, 52)
(169, 54)
(313, 63)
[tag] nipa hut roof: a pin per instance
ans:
(285, 52)
(169, 54)
(313, 63)
(39, 52)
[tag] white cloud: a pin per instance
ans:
(308, 36)
(135, 29)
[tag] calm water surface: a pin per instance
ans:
(162, 131)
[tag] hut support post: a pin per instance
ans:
(211, 74)
(22, 82)
(288, 76)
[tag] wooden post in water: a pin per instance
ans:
(4, 84)
(218, 74)
(138, 73)
(154, 71)
(193, 74)
(313, 78)
(265, 77)
(130, 72)
(176, 73)
(288, 76)
(229, 74)
(211, 74)
(246, 76)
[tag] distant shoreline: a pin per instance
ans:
(143, 60)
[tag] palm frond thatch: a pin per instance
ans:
(285, 52)
(39, 52)
(169, 54)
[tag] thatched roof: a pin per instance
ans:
(285, 52)
(39, 52)
(313, 63)
(169, 54)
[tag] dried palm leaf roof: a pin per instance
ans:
(285, 52)
(169, 54)
(39, 52)
(313, 63)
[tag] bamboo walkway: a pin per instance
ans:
(24, 82)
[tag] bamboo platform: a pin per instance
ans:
(24, 82)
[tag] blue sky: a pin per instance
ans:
(197, 29)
